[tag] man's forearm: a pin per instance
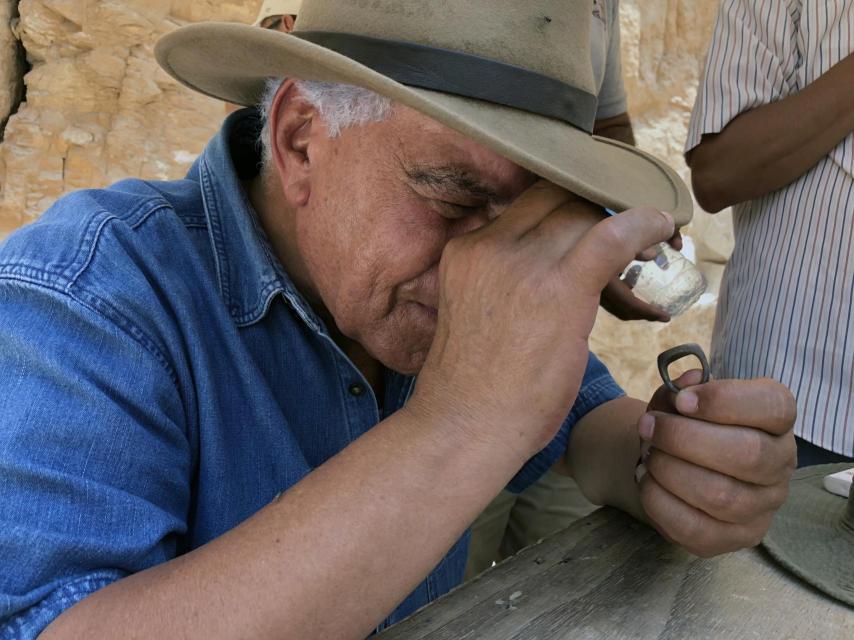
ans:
(765, 149)
(617, 128)
(329, 559)
(603, 452)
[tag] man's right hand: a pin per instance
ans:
(720, 461)
(518, 299)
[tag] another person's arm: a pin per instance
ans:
(618, 127)
(617, 297)
(752, 129)
(770, 146)
(613, 122)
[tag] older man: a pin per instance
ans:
(210, 426)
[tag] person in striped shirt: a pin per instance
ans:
(772, 133)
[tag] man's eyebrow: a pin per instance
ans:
(455, 179)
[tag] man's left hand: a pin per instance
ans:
(720, 461)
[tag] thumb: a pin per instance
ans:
(665, 400)
(613, 243)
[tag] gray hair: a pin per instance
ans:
(340, 105)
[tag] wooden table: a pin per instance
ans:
(607, 576)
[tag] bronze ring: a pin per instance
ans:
(677, 353)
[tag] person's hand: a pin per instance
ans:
(518, 298)
(720, 461)
(618, 299)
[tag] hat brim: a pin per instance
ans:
(232, 62)
(808, 538)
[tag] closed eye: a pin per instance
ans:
(457, 210)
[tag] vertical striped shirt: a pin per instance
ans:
(785, 304)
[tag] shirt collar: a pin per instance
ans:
(249, 274)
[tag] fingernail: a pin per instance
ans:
(668, 217)
(687, 402)
(640, 472)
(646, 426)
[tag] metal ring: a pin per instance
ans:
(677, 353)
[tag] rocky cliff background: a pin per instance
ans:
(96, 108)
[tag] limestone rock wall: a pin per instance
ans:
(11, 61)
(12, 68)
(98, 109)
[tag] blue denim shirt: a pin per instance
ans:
(163, 380)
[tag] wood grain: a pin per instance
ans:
(608, 576)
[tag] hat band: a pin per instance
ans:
(465, 75)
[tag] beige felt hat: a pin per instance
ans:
(277, 8)
(513, 76)
(813, 533)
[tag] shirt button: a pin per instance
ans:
(356, 390)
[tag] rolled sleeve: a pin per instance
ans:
(32, 621)
(95, 463)
(752, 61)
(597, 388)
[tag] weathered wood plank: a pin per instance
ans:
(608, 576)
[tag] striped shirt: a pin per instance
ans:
(785, 302)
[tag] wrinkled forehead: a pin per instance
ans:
(429, 148)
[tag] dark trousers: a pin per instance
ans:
(809, 454)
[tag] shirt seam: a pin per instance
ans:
(91, 238)
(100, 307)
(215, 232)
(22, 267)
(76, 291)
(52, 603)
(603, 383)
(141, 211)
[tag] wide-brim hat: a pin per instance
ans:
(277, 8)
(513, 76)
(813, 533)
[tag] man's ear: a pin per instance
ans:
(292, 122)
(288, 22)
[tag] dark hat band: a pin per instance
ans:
(465, 75)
